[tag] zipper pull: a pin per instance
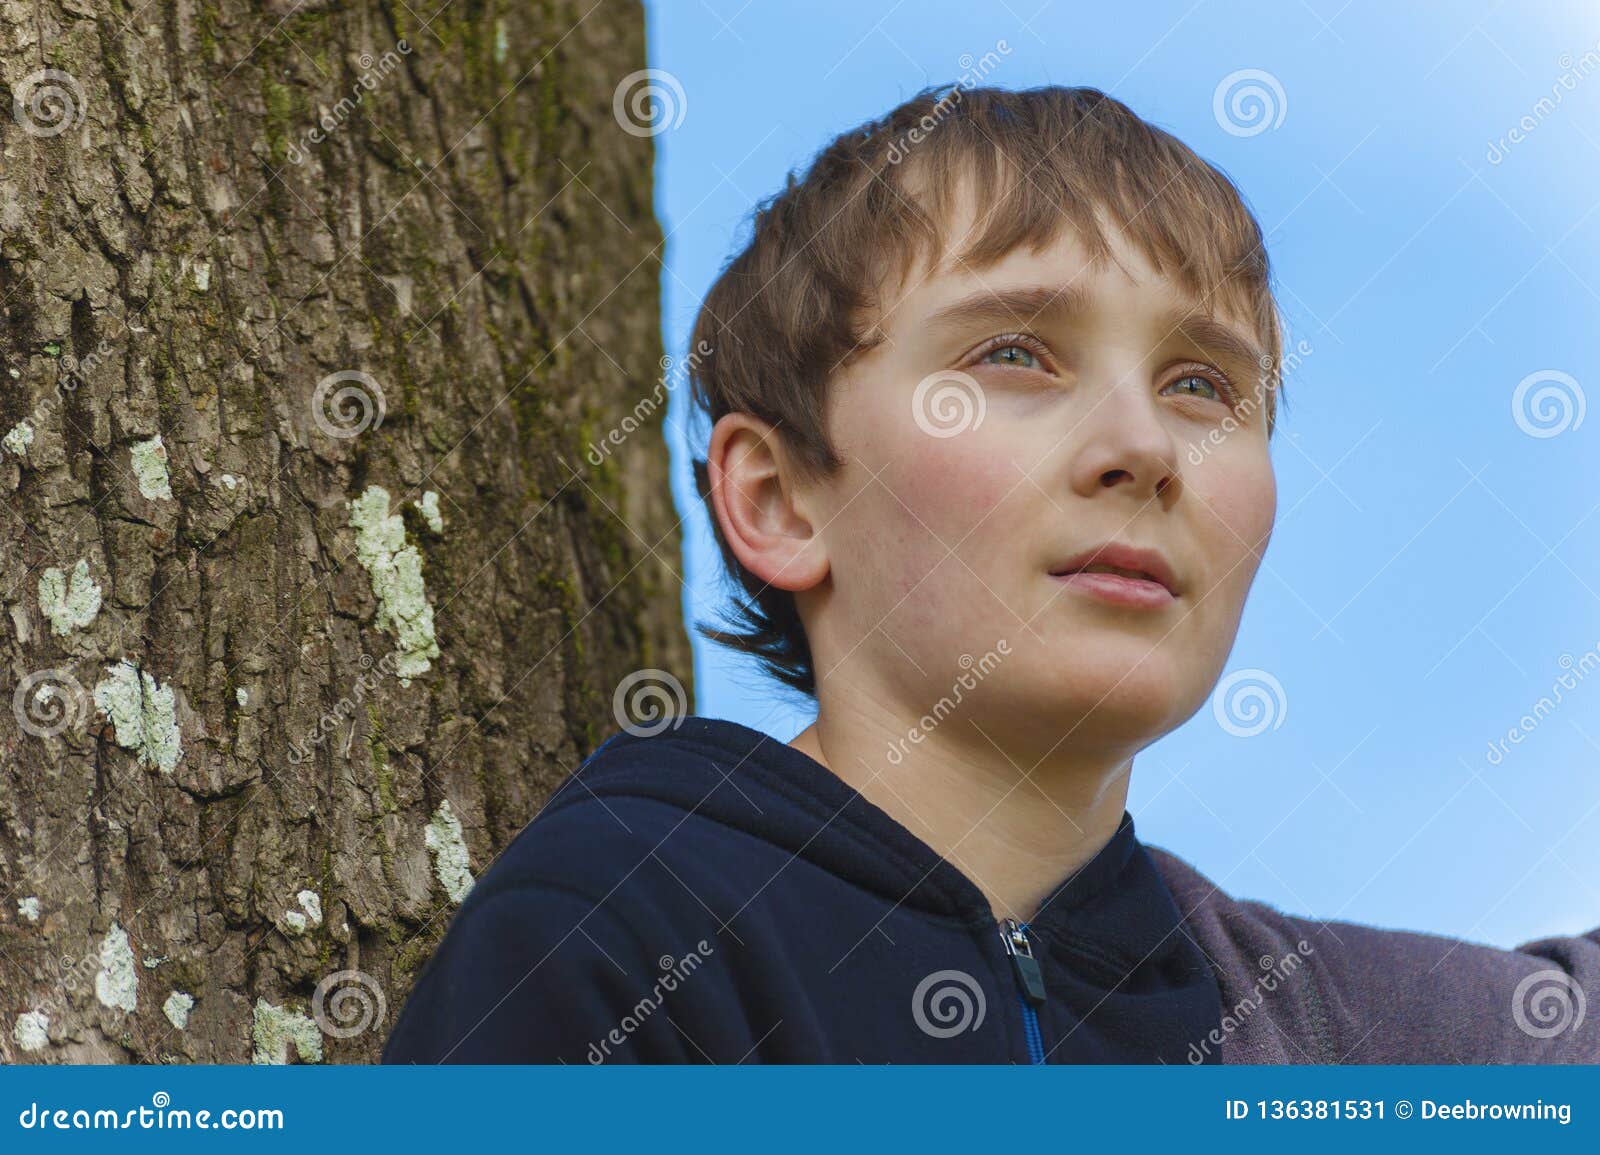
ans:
(1015, 937)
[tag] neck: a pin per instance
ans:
(1017, 830)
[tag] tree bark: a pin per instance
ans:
(309, 313)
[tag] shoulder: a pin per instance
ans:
(625, 852)
(557, 938)
(653, 830)
(1327, 990)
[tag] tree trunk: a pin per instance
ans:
(309, 315)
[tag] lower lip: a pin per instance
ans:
(1119, 590)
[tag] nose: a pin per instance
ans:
(1122, 440)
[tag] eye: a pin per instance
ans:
(1201, 385)
(1188, 383)
(1012, 355)
(1016, 350)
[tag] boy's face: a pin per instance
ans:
(1070, 428)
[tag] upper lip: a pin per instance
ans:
(1147, 561)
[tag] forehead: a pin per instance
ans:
(1060, 279)
(1078, 274)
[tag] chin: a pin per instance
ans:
(1102, 699)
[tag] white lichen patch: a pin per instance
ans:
(202, 275)
(20, 437)
(28, 908)
(276, 1029)
(230, 481)
(151, 961)
(150, 468)
(241, 695)
(70, 603)
(396, 572)
(143, 712)
(309, 916)
(450, 862)
(31, 1032)
(116, 984)
(177, 1008)
(429, 507)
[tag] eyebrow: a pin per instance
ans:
(1014, 306)
(1043, 303)
(1217, 338)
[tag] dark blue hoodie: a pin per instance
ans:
(710, 894)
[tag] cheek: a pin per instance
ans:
(1243, 501)
(922, 517)
(955, 486)
(936, 506)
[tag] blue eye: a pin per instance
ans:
(1012, 355)
(1205, 381)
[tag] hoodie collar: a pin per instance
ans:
(1114, 908)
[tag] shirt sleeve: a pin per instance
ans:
(538, 973)
(1556, 999)
(1302, 990)
(1409, 997)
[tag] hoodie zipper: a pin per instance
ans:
(1030, 982)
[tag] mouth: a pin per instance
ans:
(1121, 574)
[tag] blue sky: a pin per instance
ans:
(1433, 570)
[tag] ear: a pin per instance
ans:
(764, 513)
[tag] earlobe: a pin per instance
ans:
(760, 504)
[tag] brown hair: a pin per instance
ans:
(796, 304)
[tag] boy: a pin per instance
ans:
(990, 462)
